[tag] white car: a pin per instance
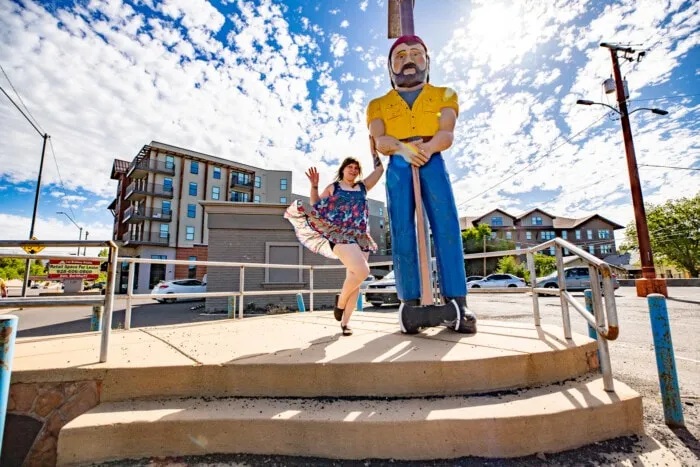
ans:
(367, 281)
(497, 281)
(177, 286)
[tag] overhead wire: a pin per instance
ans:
(21, 100)
(537, 159)
(22, 112)
(60, 179)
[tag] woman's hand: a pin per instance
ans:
(312, 175)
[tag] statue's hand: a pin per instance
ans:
(412, 154)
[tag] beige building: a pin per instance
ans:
(595, 234)
(158, 211)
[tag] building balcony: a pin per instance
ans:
(141, 168)
(136, 215)
(146, 238)
(240, 184)
(138, 191)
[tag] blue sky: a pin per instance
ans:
(285, 85)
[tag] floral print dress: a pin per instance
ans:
(341, 218)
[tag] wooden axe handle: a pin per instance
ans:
(426, 294)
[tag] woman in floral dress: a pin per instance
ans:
(337, 226)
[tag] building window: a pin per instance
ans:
(164, 230)
(566, 252)
(194, 167)
(493, 235)
(165, 207)
(548, 235)
(509, 235)
(604, 234)
(564, 234)
(606, 249)
(193, 189)
(497, 221)
(283, 200)
(536, 220)
(517, 246)
(169, 162)
(240, 197)
(283, 184)
(192, 268)
(257, 198)
(578, 235)
(168, 184)
(591, 249)
(552, 252)
(189, 233)
(589, 234)
(258, 182)
(528, 235)
(381, 211)
(192, 210)
(217, 173)
(215, 192)
(381, 223)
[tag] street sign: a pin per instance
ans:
(33, 249)
(74, 269)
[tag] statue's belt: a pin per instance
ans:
(413, 139)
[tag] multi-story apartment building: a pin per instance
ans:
(594, 233)
(158, 215)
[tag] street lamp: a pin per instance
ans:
(80, 235)
(649, 283)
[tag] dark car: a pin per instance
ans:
(383, 291)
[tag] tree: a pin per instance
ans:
(674, 231)
(544, 264)
(473, 242)
(508, 265)
(104, 252)
(13, 268)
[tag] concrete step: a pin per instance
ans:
(547, 419)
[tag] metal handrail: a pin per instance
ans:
(107, 300)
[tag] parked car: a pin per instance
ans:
(474, 278)
(100, 285)
(577, 278)
(387, 296)
(178, 286)
(367, 282)
(496, 281)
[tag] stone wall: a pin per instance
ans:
(36, 412)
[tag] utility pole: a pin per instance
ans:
(649, 282)
(85, 247)
(484, 237)
(36, 205)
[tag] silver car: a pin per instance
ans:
(577, 278)
(497, 281)
(177, 286)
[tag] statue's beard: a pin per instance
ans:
(402, 80)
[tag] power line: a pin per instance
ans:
(20, 99)
(568, 140)
(680, 96)
(22, 112)
(60, 179)
(669, 167)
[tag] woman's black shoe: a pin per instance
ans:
(338, 313)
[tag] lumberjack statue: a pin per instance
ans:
(412, 124)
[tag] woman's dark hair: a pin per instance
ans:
(347, 162)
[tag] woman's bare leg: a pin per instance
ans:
(355, 260)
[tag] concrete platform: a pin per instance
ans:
(549, 419)
(304, 355)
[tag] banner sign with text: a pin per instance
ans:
(74, 269)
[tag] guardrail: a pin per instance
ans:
(106, 300)
(604, 320)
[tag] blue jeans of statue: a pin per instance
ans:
(439, 205)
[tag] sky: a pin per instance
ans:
(285, 85)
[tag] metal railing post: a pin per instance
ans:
(603, 352)
(533, 284)
(8, 335)
(561, 279)
(129, 295)
(109, 301)
(241, 286)
(665, 360)
(311, 288)
(231, 307)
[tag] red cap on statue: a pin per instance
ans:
(405, 39)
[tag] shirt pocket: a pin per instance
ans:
(393, 111)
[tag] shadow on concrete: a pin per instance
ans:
(687, 438)
(692, 302)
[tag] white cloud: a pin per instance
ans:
(22, 189)
(344, 24)
(339, 45)
(364, 4)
